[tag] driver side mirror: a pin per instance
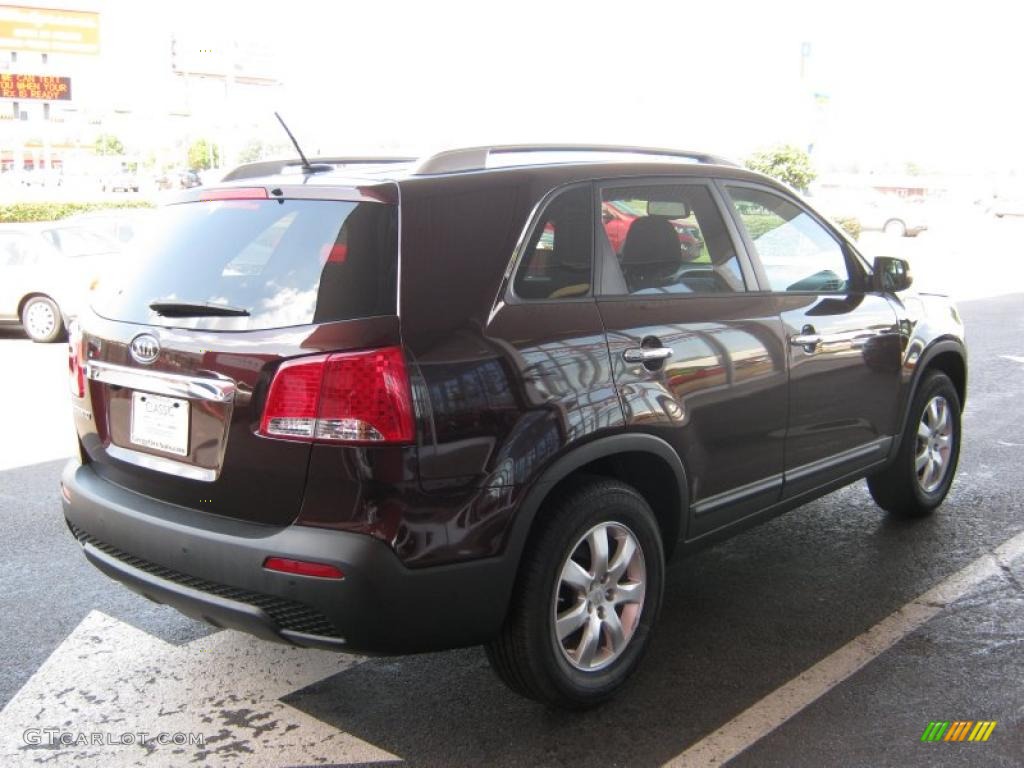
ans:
(891, 275)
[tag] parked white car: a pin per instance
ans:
(874, 210)
(121, 225)
(46, 273)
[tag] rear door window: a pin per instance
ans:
(286, 262)
(667, 239)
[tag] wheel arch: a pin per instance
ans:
(33, 294)
(643, 461)
(947, 355)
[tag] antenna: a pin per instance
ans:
(305, 163)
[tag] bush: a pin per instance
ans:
(22, 212)
(850, 225)
(789, 164)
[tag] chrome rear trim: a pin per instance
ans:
(219, 390)
(160, 464)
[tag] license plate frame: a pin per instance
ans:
(160, 423)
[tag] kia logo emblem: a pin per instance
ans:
(144, 348)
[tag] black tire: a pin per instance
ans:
(898, 489)
(527, 655)
(33, 329)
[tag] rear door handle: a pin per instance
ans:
(646, 354)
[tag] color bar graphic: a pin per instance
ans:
(958, 730)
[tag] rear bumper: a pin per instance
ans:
(211, 568)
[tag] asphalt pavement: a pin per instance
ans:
(740, 620)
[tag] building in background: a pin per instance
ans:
(44, 55)
(71, 75)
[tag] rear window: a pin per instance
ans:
(286, 262)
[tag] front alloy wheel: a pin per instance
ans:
(917, 480)
(934, 444)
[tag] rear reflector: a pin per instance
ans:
(303, 568)
(76, 361)
(349, 397)
(233, 193)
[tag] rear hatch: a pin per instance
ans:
(179, 352)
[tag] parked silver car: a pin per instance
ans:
(46, 271)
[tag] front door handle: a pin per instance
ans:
(646, 354)
(808, 339)
(805, 340)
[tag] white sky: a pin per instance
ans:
(938, 83)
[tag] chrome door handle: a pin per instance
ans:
(646, 354)
(805, 340)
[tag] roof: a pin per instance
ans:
(542, 159)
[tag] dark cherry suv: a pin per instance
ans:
(391, 407)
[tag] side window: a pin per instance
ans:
(667, 239)
(10, 253)
(557, 263)
(16, 250)
(797, 253)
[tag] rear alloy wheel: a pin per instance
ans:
(41, 319)
(587, 596)
(600, 595)
(919, 478)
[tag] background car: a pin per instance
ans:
(874, 210)
(46, 271)
(178, 179)
(120, 225)
(1008, 206)
(123, 181)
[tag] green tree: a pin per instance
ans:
(203, 155)
(789, 164)
(108, 144)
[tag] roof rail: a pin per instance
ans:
(475, 158)
(274, 167)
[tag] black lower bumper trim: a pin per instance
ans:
(211, 568)
(217, 604)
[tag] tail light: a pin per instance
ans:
(349, 397)
(76, 361)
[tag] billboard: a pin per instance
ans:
(42, 87)
(202, 54)
(46, 30)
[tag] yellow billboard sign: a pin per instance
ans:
(49, 31)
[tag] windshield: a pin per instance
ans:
(286, 262)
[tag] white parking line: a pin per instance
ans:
(780, 705)
(113, 695)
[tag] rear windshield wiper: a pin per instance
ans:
(171, 308)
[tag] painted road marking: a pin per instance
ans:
(1013, 358)
(109, 677)
(780, 705)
